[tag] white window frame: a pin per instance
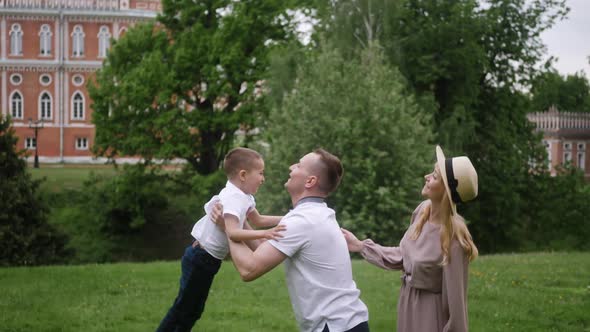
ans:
(21, 105)
(104, 41)
(581, 146)
(16, 75)
(548, 149)
(16, 40)
(581, 160)
(41, 79)
(47, 104)
(81, 143)
(74, 114)
(74, 80)
(78, 41)
(567, 146)
(567, 157)
(45, 40)
(30, 143)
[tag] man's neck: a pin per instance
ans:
(296, 199)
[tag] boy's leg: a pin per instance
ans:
(198, 270)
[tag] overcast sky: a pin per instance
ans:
(569, 40)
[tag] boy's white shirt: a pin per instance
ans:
(210, 236)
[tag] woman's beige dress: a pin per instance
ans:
(432, 297)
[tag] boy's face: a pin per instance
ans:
(254, 177)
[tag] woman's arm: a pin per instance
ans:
(389, 258)
(454, 289)
(259, 220)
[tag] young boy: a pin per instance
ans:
(244, 169)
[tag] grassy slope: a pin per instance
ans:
(525, 292)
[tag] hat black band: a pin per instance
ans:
(451, 181)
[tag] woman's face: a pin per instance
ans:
(434, 187)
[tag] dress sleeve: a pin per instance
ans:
(389, 258)
(454, 291)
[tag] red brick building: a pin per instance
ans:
(566, 136)
(48, 51)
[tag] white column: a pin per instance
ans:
(3, 37)
(4, 93)
(57, 98)
(116, 30)
(66, 41)
(66, 100)
(56, 41)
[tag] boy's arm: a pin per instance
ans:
(235, 233)
(252, 244)
(259, 220)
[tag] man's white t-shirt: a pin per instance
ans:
(235, 202)
(318, 270)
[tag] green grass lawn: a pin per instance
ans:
(524, 292)
(60, 177)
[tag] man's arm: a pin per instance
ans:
(252, 265)
(260, 220)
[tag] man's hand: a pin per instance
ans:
(275, 232)
(217, 215)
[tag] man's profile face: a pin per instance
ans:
(300, 172)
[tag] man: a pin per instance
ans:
(317, 264)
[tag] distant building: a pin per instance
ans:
(566, 136)
(48, 51)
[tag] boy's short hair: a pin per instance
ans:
(238, 159)
(331, 171)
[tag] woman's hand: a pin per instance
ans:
(354, 244)
(217, 215)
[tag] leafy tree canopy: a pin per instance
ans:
(182, 87)
(569, 93)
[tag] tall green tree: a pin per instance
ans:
(469, 59)
(569, 93)
(358, 109)
(181, 88)
(25, 236)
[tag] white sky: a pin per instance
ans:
(569, 40)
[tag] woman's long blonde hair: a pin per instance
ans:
(453, 226)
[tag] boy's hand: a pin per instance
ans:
(217, 215)
(275, 232)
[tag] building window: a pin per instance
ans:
(45, 40)
(45, 79)
(16, 40)
(45, 106)
(581, 146)
(567, 146)
(81, 143)
(548, 149)
(30, 143)
(16, 79)
(78, 80)
(104, 37)
(78, 106)
(16, 105)
(78, 41)
(567, 157)
(582, 160)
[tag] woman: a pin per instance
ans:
(434, 252)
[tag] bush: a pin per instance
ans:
(26, 238)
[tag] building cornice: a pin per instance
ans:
(77, 15)
(48, 66)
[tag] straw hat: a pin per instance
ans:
(459, 176)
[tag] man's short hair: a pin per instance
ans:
(238, 159)
(331, 171)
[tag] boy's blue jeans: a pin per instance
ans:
(198, 270)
